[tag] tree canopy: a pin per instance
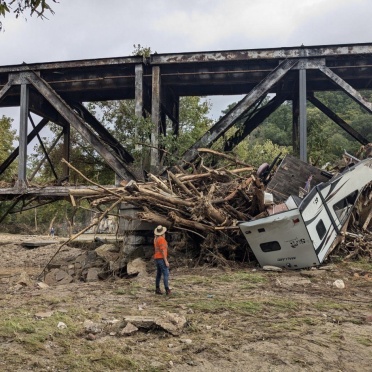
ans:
(6, 139)
(19, 7)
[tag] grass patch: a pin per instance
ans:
(241, 276)
(135, 288)
(32, 333)
(363, 264)
(219, 306)
(196, 280)
(87, 356)
(281, 305)
(289, 324)
(364, 341)
(310, 321)
(120, 291)
(329, 305)
(10, 327)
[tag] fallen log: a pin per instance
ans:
(192, 225)
(213, 214)
(162, 198)
(160, 183)
(154, 218)
(179, 184)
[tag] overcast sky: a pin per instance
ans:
(83, 29)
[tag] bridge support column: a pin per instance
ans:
(22, 157)
(66, 150)
(156, 119)
(295, 124)
(139, 100)
(302, 111)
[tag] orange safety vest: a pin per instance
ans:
(161, 247)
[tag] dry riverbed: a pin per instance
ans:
(241, 319)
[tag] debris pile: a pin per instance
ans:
(208, 204)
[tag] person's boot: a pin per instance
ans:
(158, 291)
(167, 291)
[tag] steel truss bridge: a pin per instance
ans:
(56, 92)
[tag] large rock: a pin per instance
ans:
(106, 251)
(129, 329)
(22, 279)
(91, 327)
(93, 274)
(109, 253)
(58, 277)
(137, 266)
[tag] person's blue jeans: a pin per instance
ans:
(161, 269)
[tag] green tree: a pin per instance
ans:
(326, 140)
(19, 7)
(119, 117)
(82, 156)
(8, 135)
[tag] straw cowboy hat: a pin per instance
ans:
(160, 230)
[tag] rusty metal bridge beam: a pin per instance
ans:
(30, 137)
(44, 149)
(103, 133)
(52, 146)
(345, 126)
(22, 156)
(347, 88)
(156, 118)
(5, 89)
(254, 121)
(233, 116)
(70, 116)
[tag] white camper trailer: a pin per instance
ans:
(304, 234)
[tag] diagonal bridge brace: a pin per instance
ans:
(78, 123)
(254, 121)
(347, 88)
(102, 132)
(214, 133)
(9, 160)
(5, 89)
(341, 123)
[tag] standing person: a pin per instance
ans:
(52, 232)
(161, 259)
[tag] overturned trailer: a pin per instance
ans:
(305, 230)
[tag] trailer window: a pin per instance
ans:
(343, 207)
(321, 229)
(270, 247)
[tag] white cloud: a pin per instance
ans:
(259, 22)
(83, 29)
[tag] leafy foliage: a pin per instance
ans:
(326, 140)
(134, 133)
(38, 7)
(8, 135)
(82, 156)
(139, 50)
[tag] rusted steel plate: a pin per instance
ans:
(272, 53)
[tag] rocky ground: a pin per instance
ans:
(237, 319)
